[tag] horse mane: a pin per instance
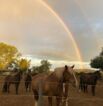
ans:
(59, 72)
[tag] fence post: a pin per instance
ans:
(40, 102)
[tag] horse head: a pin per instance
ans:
(69, 75)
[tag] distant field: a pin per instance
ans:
(75, 98)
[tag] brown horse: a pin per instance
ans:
(89, 79)
(12, 79)
(54, 84)
(28, 79)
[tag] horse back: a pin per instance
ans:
(88, 78)
(37, 80)
(12, 78)
(7, 78)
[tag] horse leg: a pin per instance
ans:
(26, 86)
(36, 97)
(4, 87)
(80, 88)
(93, 90)
(80, 85)
(58, 100)
(83, 87)
(64, 101)
(50, 101)
(65, 94)
(86, 88)
(8, 88)
(29, 87)
(16, 87)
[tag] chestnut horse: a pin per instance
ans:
(28, 79)
(12, 79)
(54, 84)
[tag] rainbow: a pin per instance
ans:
(65, 27)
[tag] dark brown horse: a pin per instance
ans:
(12, 79)
(54, 84)
(89, 79)
(28, 79)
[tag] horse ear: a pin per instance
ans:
(72, 66)
(66, 67)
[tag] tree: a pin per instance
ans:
(24, 64)
(101, 53)
(13, 65)
(8, 53)
(97, 62)
(44, 67)
(36, 70)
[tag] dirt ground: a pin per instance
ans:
(76, 98)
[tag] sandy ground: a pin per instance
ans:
(75, 98)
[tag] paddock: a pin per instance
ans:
(26, 98)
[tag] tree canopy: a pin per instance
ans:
(44, 67)
(8, 53)
(97, 62)
(9, 59)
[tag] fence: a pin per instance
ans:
(74, 95)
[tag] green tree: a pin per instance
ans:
(35, 69)
(97, 62)
(45, 66)
(8, 53)
(101, 53)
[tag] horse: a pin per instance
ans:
(28, 80)
(54, 84)
(12, 79)
(89, 79)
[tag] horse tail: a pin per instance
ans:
(4, 87)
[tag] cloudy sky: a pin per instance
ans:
(37, 32)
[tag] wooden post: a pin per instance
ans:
(40, 101)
